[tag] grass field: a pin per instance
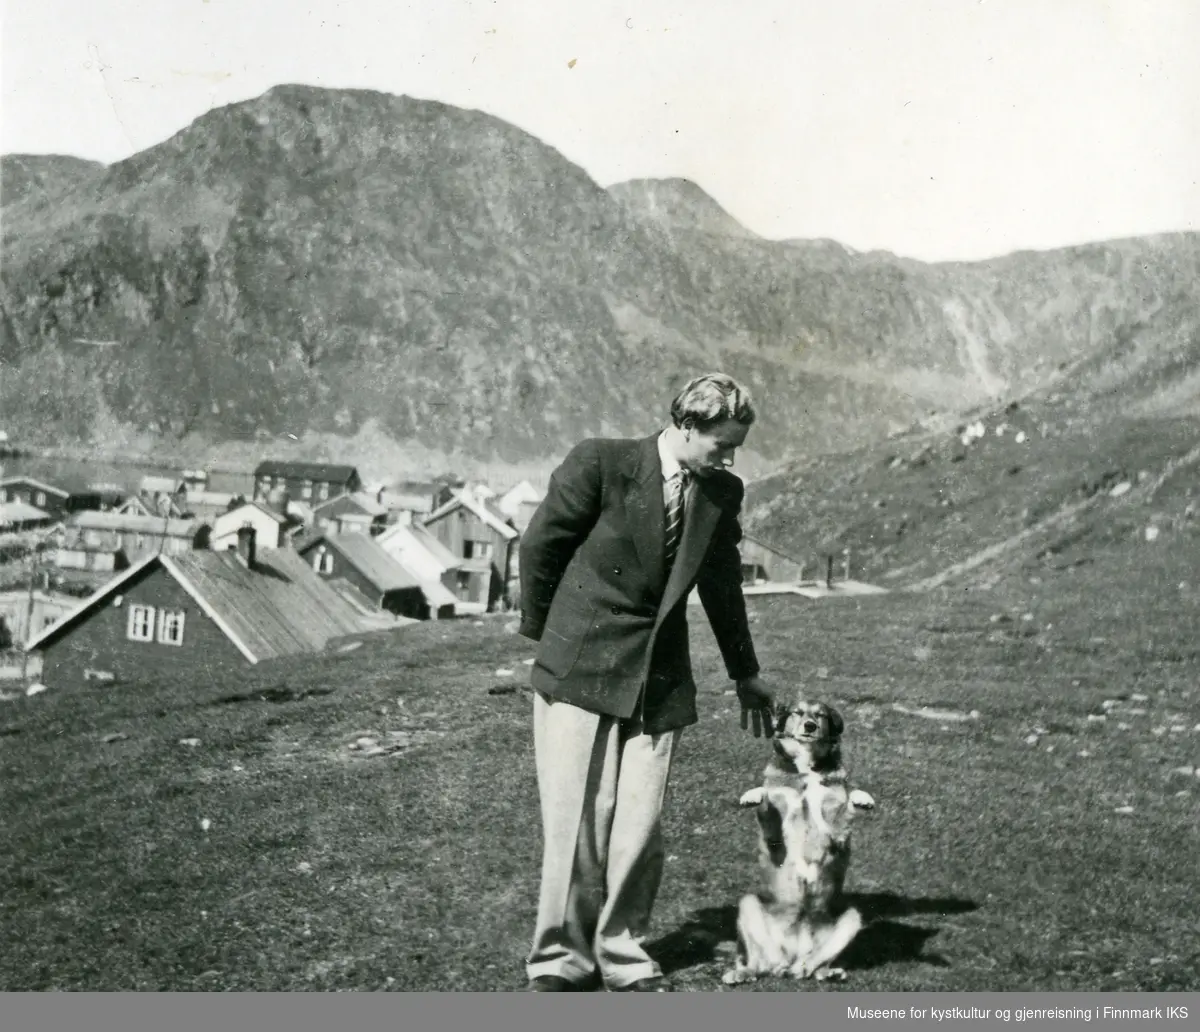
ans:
(1000, 858)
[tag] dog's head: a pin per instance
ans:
(808, 729)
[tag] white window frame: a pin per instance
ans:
(41, 499)
(323, 560)
(306, 489)
(131, 630)
(323, 490)
(168, 621)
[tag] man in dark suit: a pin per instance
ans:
(627, 529)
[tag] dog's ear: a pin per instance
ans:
(836, 724)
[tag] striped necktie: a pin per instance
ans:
(674, 522)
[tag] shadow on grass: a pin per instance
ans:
(279, 693)
(884, 940)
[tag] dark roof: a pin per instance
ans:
(280, 608)
(366, 555)
(327, 471)
(35, 482)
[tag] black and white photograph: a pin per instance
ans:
(673, 497)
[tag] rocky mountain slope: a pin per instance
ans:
(328, 263)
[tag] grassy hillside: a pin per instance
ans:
(1010, 850)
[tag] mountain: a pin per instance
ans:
(1087, 471)
(42, 176)
(677, 204)
(345, 265)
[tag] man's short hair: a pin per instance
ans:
(711, 399)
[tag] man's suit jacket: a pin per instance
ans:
(611, 625)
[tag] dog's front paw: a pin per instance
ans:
(753, 797)
(830, 974)
(861, 800)
(737, 976)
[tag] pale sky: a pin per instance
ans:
(938, 129)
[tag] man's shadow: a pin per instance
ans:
(883, 940)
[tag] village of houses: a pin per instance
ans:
(119, 585)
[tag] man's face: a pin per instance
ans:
(709, 450)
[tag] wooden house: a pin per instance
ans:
(135, 536)
(206, 506)
(762, 562)
(353, 513)
(17, 516)
(356, 561)
(408, 502)
(270, 527)
(311, 482)
(56, 500)
(480, 537)
(197, 612)
(421, 552)
(75, 553)
(23, 614)
(427, 559)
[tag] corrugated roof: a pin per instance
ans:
(280, 608)
(307, 470)
(365, 555)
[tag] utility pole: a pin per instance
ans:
(28, 631)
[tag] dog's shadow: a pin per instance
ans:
(883, 940)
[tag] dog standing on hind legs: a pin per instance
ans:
(800, 924)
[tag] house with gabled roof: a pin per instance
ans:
(134, 535)
(354, 512)
(57, 500)
(207, 505)
(16, 516)
(484, 541)
(407, 501)
(364, 572)
(427, 559)
(213, 612)
(25, 612)
(272, 529)
(311, 482)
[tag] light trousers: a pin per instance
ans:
(602, 783)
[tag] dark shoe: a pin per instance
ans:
(557, 984)
(644, 985)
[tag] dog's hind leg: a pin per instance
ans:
(755, 955)
(828, 944)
